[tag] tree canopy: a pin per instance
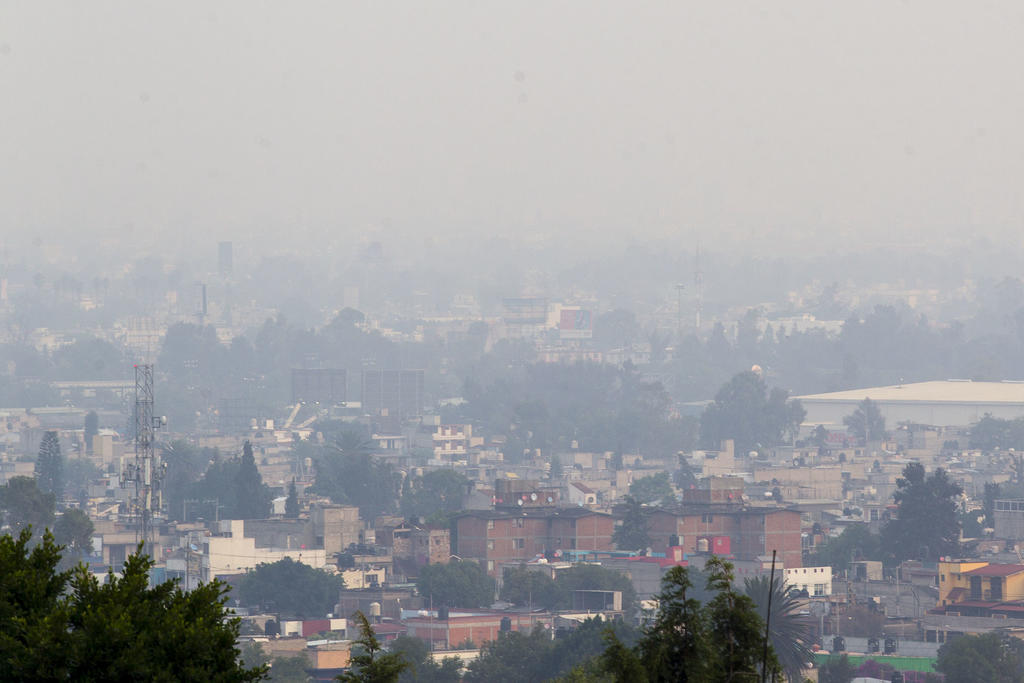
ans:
(370, 663)
(292, 588)
(632, 533)
(927, 525)
(49, 469)
(24, 505)
(986, 658)
(789, 632)
(746, 412)
(654, 488)
(459, 583)
(866, 422)
(66, 625)
(434, 496)
(524, 586)
(718, 641)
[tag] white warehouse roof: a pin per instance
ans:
(953, 390)
(946, 403)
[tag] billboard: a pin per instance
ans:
(525, 311)
(325, 386)
(575, 323)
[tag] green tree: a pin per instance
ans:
(632, 533)
(866, 422)
(253, 499)
(990, 657)
(855, 543)
(837, 670)
(291, 503)
(594, 577)
(434, 496)
(349, 475)
(459, 583)
(515, 656)
(68, 626)
(372, 664)
(26, 506)
(524, 587)
(74, 531)
(289, 669)
(653, 488)
(685, 477)
(927, 525)
(789, 635)
(33, 609)
(50, 465)
(92, 428)
(720, 641)
(735, 626)
(677, 646)
(293, 588)
(555, 473)
(422, 667)
(744, 411)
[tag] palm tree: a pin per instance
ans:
(790, 634)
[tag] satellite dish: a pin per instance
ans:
(519, 502)
(533, 496)
(550, 499)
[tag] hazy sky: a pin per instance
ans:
(187, 122)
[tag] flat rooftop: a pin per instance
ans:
(947, 391)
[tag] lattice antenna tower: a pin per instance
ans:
(145, 474)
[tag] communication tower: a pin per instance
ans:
(144, 474)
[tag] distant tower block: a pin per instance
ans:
(225, 258)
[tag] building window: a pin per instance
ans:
(490, 544)
(490, 565)
(490, 524)
(519, 522)
(819, 589)
(518, 543)
(707, 518)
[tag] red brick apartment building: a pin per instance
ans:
(494, 537)
(743, 533)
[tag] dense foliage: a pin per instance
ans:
(67, 625)
(746, 412)
(459, 583)
(654, 488)
(927, 525)
(202, 483)
(987, 658)
(370, 662)
(24, 505)
(866, 423)
(718, 641)
(548, 406)
(631, 533)
(790, 632)
(49, 470)
(292, 588)
(524, 586)
(535, 657)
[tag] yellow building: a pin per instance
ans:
(980, 588)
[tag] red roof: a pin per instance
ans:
(996, 570)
